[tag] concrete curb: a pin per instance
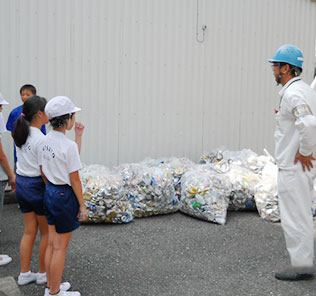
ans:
(8, 287)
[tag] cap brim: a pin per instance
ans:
(76, 109)
(4, 102)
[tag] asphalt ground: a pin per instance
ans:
(167, 255)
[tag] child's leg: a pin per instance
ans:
(58, 260)
(49, 251)
(27, 242)
(43, 226)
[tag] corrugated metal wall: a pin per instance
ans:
(150, 80)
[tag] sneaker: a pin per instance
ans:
(26, 279)
(294, 275)
(41, 278)
(68, 293)
(5, 260)
(65, 286)
(3, 255)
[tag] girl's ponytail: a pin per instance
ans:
(22, 125)
(21, 131)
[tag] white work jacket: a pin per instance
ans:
(296, 123)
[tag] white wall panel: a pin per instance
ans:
(146, 85)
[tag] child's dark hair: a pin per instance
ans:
(29, 87)
(60, 121)
(22, 125)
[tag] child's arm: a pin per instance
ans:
(79, 128)
(43, 175)
(10, 122)
(5, 164)
(77, 188)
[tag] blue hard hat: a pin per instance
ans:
(288, 54)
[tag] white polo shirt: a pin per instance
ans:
(30, 154)
(60, 157)
(296, 123)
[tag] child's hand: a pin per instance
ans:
(82, 215)
(79, 128)
(12, 183)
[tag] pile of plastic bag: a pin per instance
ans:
(230, 180)
(244, 169)
(205, 194)
(105, 196)
(149, 189)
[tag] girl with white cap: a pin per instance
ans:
(6, 174)
(63, 197)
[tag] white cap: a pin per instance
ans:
(59, 106)
(2, 100)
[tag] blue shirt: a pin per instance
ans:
(14, 115)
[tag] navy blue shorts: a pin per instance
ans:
(62, 207)
(29, 194)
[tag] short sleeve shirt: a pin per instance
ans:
(30, 154)
(60, 157)
(14, 115)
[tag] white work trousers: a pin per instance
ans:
(295, 189)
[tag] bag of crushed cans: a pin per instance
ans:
(105, 196)
(174, 167)
(238, 157)
(266, 194)
(243, 183)
(149, 189)
(93, 171)
(205, 194)
(246, 158)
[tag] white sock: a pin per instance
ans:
(25, 273)
(43, 273)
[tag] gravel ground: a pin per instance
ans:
(167, 255)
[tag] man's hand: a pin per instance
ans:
(306, 161)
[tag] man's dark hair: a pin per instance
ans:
(294, 70)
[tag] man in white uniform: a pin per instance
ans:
(295, 141)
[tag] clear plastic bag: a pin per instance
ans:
(105, 196)
(204, 194)
(149, 189)
(266, 194)
(243, 183)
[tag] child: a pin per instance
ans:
(6, 175)
(30, 187)
(63, 197)
(26, 91)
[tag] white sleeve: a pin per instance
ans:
(306, 126)
(73, 162)
(40, 152)
(305, 123)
